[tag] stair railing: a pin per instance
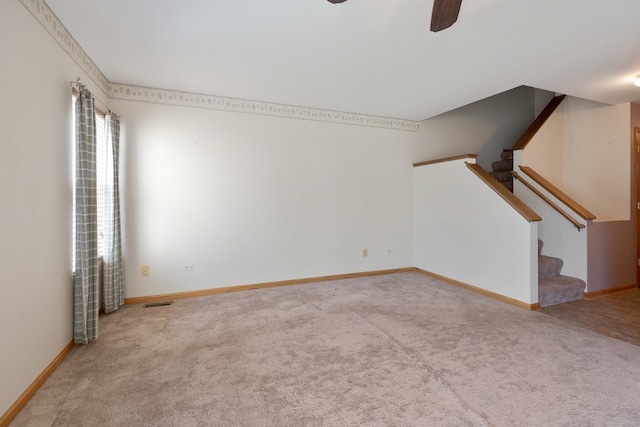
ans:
(517, 204)
(446, 159)
(577, 224)
(538, 122)
(558, 194)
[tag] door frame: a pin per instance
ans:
(635, 185)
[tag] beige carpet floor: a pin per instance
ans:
(395, 350)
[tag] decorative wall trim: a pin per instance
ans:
(212, 102)
(50, 22)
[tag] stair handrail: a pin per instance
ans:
(558, 194)
(446, 159)
(561, 211)
(544, 115)
(524, 210)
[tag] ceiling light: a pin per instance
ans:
(637, 80)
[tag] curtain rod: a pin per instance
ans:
(76, 82)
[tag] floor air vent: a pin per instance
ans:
(157, 304)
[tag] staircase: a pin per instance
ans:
(553, 288)
(501, 170)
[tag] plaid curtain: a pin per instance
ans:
(113, 278)
(86, 299)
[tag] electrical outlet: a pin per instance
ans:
(365, 252)
(188, 267)
(145, 270)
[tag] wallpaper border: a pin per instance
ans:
(50, 22)
(212, 102)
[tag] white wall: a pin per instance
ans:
(465, 231)
(545, 151)
(583, 149)
(597, 157)
(35, 186)
(251, 199)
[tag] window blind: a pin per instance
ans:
(101, 168)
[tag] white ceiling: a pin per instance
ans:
(374, 57)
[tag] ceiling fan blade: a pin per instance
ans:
(445, 13)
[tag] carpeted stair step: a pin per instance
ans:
(502, 166)
(502, 176)
(549, 266)
(501, 170)
(506, 155)
(560, 289)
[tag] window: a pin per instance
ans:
(101, 168)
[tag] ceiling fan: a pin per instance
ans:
(444, 14)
